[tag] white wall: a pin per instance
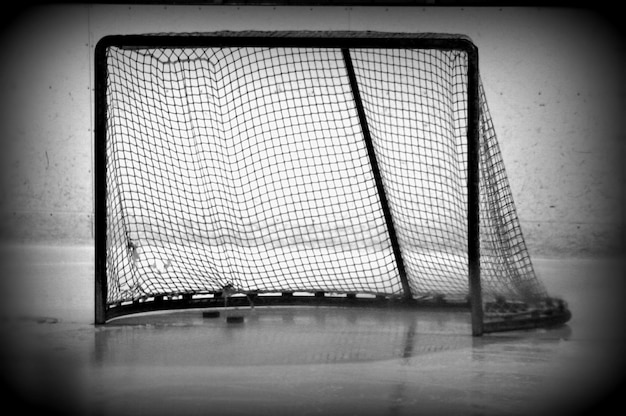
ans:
(553, 79)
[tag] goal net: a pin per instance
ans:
(304, 163)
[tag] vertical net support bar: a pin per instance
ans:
(376, 172)
(473, 193)
(100, 231)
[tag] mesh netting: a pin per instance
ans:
(248, 166)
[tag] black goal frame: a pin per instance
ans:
(336, 40)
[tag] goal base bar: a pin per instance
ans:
(554, 314)
(217, 300)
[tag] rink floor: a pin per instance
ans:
(299, 361)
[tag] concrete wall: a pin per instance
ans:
(553, 79)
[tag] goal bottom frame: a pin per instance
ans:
(551, 312)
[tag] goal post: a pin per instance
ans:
(304, 168)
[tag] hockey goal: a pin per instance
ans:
(335, 168)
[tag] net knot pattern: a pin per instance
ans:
(246, 166)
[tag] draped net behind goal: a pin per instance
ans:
(247, 166)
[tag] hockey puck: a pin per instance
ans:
(234, 319)
(211, 314)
